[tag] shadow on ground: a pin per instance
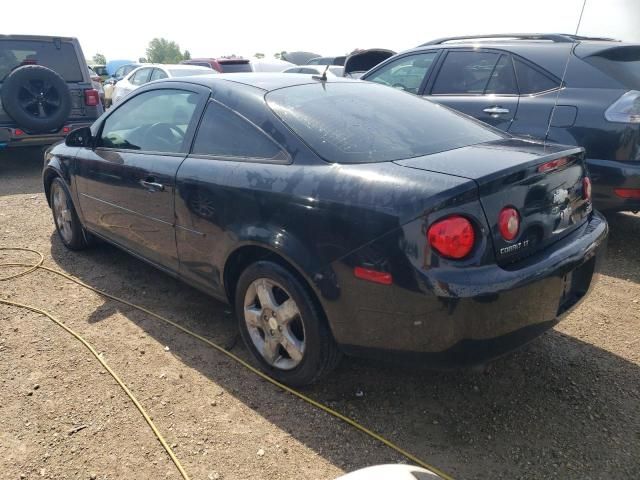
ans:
(559, 408)
(623, 258)
(20, 170)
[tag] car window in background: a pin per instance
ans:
(157, 74)
(312, 71)
(465, 73)
(406, 73)
(187, 72)
(63, 60)
(359, 123)
(119, 73)
(622, 64)
(235, 67)
(141, 76)
(223, 133)
(531, 80)
(153, 121)
(503, 79)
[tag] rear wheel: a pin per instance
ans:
(282, 326)
(68, 224)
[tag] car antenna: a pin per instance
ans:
(323, 77)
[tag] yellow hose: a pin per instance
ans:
(29, 268)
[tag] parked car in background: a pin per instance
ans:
(124, 70)
(269, 65)
(150, 72)
(359, 62)
(113, 67)
(332, 71)
(514, 83)
(100, 70)
(222, 64)
(336, 216)
(45, 90)
(327, 61)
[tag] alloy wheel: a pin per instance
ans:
(62, 213)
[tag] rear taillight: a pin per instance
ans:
(586, 188)
(626, 109)
(509, 223)
(91, 97)
(627, 192)
(452, 237)
(553, 164)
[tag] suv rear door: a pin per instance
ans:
(478, 82)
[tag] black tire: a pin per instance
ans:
(321, 354)
(36, 98)
(71, 233)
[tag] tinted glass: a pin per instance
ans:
(141, 76)
(622, 64)
(405, 73)
(222, 133)
(503, 79)
(364, 122)
(235, 67)
(63, 60)
(153, 121)
(465, 73)
(129, 68)
(531, 80)
(292, 70)
(187, 72)
(312, 71)
(157, 74)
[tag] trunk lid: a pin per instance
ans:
(357, 63)
(509, 173)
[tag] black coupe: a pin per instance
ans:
(336, 216)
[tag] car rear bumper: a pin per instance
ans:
(471, 315)
(610, 175)
(9, 137)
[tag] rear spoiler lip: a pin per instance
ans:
(584, 50)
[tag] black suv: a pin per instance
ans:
(45, 90)
(513, 82)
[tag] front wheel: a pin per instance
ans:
(65, 217)
(282, 326)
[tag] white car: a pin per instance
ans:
(332, 71)
(150, 72)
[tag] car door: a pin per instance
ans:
(227, 146)
(126, 180)
(480, 83)
(409, 72)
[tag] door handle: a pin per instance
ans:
(151, 185)
(496, 110)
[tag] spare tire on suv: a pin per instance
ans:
(36, 98)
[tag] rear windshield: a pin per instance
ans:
(366, 122)
(63, 60)
(235, 67)
(187, 72)
(622, 64)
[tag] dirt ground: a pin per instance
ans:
(567, 406)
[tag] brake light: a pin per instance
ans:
(627, 192)
(375, 276)
(586, 188)
(66, 129)
(91, 97)
(509, 223)
(553, 164)
(626, 109)
(17, 132)
(452, 237)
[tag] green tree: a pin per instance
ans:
(99, 59)
(186, 55)
(259, 55)
(161, 50)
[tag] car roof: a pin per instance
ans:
(264, 81)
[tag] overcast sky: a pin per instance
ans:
(122, 30)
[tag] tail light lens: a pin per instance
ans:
(627, 192)
(626, 109)
(586, 188)
(509, 223)
(553, 164)
(91, 97)
(452, 237)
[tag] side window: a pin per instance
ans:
(531, 80)
(157, 75)
(154, 121)
(465, 72)
(406, 73)
(119, 73)
(292, 70)
(503, 79)
(223, 133)
(309, 70)
(141, 76)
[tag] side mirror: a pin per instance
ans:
(80, 137)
